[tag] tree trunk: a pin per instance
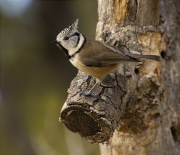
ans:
(137, 110)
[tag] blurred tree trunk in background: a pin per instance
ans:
(151, 121)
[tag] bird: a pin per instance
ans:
(93, 57)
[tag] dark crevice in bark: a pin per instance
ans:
(175, 131)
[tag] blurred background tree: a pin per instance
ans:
(35, 76)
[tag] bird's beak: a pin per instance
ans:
(55, 42)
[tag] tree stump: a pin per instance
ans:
(136, 110)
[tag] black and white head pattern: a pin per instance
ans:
(69, 38)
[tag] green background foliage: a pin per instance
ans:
(35, 76)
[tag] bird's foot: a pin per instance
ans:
(88, 93)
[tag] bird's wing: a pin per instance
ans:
(100, 55)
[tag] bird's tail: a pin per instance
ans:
(153, 57)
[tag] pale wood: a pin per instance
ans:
(137, 111)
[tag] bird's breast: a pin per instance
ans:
(74, 62)
(97, 72)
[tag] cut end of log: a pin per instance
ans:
(89, 124)
(93, 117)
(78, 121)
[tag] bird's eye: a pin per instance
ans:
(66, 38)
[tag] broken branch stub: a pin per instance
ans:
(121, 95)
(94, 117)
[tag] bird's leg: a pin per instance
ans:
(89, 92)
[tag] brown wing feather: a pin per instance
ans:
(98, 55)
(125, 51)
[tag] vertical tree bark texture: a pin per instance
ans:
(137, 111)
(150, 124)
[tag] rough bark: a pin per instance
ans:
(137, 109)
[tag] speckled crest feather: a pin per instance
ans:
(69, 30)
(70, 39)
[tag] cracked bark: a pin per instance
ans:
(136, 110)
